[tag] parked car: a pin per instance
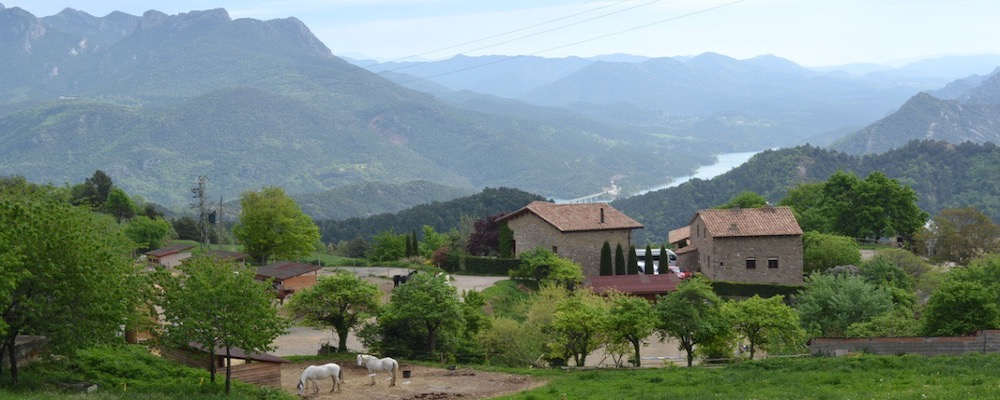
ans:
(671, 260)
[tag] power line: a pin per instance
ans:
(701, 11)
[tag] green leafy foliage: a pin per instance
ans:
(766, 324)
(606, 266)
(442, 216)
(218, 304)
(967, 300)
(829, 304)
(745, 199)
(631, 320)
(578, 324)
(272, 226)
(821, 252)
(960, 235)
(54, 258)
(148, 233)
(620, 267)
(388, 246)
(423, 317)
(544, 266)
(342, 302)
(692, 314)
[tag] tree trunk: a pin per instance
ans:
(11, 339)
(431, 338)
(689, 348)
(637, 361)
(342, 341)
(211, 363)
(752, 349)
(229, 369)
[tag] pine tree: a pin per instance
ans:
(619, 260)
(633, 261)
(606, 267)
(648, 260)
(409, 247)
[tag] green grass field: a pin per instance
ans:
(973, 376)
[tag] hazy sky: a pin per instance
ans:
(809, 32)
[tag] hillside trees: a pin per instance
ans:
(148, 233)
(218, 304)
(692, 314)
(960, 235)
(419, 314)
(766, 324)
(821, 252)
(631, 319)
(831, 303)
(64, 271)
(272, 225)
(342, 301)
(485, 238)
(967, 300)
(543, 266)
(579, 322)
(745, 199)
(874, 207)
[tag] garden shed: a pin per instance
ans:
(289, 276)
(257, 368)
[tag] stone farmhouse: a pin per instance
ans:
(750, 245)
(574, 231)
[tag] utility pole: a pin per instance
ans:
(199, 195)
(218, 221)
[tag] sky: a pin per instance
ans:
(808, 32)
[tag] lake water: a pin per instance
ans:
(726, 162)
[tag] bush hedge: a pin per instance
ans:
(738, 289)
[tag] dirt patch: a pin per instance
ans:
(423, 383)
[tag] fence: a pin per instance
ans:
(985, 341)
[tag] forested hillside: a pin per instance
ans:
(158, 100)
(943, 175)
(442, 216)
(373, 198)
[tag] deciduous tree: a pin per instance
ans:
(578, 323)
(692, 314)
(342, 301)
(148, 233)
(631, 319)
(830, 304)
(765, 323)
(218, 304)
(821, 252)
(272, 225)
(64, 272)
(960, 235)
(418, 314)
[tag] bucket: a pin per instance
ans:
(406, 373)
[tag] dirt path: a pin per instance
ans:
(424, 383)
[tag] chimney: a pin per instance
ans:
(602, 215)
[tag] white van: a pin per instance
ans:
(671, 260)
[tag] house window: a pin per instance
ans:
(772, 263)
(555, 249)
(751, 263)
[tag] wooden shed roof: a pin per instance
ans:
(166, 251)
(286, 269)
(745, 222)
(577, 217)
(238, 353)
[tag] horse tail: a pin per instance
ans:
(340, 375)
(395, 369)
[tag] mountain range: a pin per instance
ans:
(966, 110)
(158, 100)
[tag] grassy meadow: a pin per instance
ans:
(973, 376)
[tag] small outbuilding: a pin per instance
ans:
(289, 276)
(257, 368)
(170, 256)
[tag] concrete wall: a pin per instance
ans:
(982, 342)
(26, 349)
(531, 232)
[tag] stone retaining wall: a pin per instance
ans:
(986, 341)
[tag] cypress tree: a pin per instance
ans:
(606, 267)
(664, 260)
(416, 244)
(648, 260)
(633, 261)
(409, 247)
(619, 260)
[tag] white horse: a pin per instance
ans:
(374, 364)
(317, 372)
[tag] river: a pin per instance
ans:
(724, 163)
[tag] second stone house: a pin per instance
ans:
(749, 245)
(574, 231)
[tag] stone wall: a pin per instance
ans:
(584, 248)
(731, 254)
(987, 341)
(26, 349)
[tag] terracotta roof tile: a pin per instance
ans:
(640, 284)
(679, 234)
(577, 217)
(765, 221)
